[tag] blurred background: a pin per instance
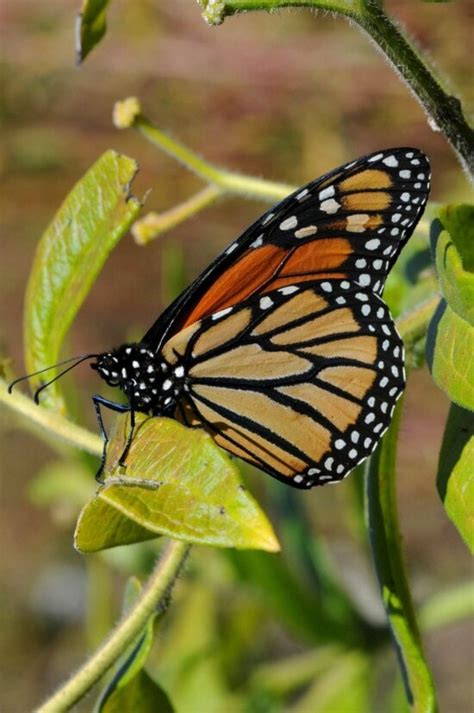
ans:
(285, 97)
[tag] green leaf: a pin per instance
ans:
(344, 687)
(448, 607)
(178, 483)
(449, 351)
(385, 542)
(101, 526)
(141, 695)
(452, 237)
(131, 688)
(455, 479)
(92, 219)
(450, 343)
(91, 25)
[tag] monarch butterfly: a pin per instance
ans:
(282, 349)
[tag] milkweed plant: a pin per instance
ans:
(201, 498)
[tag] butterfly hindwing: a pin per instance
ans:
(349, 224)
(300, 382)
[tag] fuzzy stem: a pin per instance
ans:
(158, 586)
(49, 422)
(154, 224)
(225, 180)
(443, 110)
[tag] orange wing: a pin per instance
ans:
(300, 382)
(350, 224)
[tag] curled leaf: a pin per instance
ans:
(450, 343)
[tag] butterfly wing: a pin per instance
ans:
(351, 223)
(300, 382)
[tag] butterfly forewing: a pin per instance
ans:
(349, 224)
(300, 381)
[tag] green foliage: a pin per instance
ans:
(451, 333)
(70, 254)
(131, 688)
(91, 26)
(385, 543)
(455, 479)
(177, 483)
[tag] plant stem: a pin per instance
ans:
(153, 224)
(385, 540)
(158, 586)
(443, 110)
(225, 180)
(50, 422)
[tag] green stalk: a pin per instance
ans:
(225, 180)
(385, 541)
(49, 422)
(443, 110)
(158, 586)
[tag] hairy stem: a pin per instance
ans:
(49, 422)
(158, 586)
(225, 180)
(443, 110)
(154, 224)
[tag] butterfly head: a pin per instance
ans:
(143, 376)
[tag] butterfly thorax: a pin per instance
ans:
(150, 384)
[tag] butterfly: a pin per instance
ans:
(282, 349)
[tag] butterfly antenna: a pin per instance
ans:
(77, 359)
(61, 373)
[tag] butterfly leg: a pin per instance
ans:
(129, 438)
(99, 401)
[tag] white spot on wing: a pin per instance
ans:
(257, 242)
(372, 244)
(265, 303)
(289, 223)
(302, 194)
(330, 206)
(221, 313)
(328, 192)
(390, 161)
(288, 290)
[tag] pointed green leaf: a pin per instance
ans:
(101, 526)
(450, 343)
(92, 219)
(140, 695)
(131, 688)
(456, 472)
(177, 483)
(91, 25)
